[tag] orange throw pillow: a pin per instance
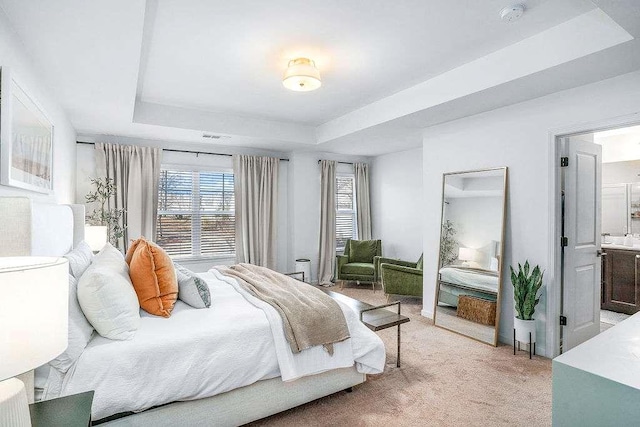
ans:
(153, 276)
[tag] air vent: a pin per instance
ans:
(212, 136)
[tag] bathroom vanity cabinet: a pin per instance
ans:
(620, 290)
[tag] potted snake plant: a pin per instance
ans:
(526, 285)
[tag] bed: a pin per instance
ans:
(220, 366)
(458, 280)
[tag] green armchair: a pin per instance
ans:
(400, 277)
(358, 262)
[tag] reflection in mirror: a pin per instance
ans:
(470, 262)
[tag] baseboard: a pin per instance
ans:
(427, 313)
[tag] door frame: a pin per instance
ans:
(553, 273)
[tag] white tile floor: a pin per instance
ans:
(609, 319)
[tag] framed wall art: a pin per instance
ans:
(26, 138)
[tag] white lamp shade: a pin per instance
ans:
(34, 310)
(301, 75)
(95, 236)
(466, 254)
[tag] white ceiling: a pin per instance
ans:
(171, 69)
(230, 56)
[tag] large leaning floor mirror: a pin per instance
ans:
(470, 261)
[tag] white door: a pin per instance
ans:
(582, 264)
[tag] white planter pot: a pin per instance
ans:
(523, 328)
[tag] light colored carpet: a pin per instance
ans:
(445, 380)
(447, 317)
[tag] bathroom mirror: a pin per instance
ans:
(470, 255)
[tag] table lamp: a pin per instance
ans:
(34, 303)
(466, 255)
(95, 236)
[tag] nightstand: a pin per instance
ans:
(68, 411)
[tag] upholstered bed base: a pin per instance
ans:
(243, 405)
(449, 293)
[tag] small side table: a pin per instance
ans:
(67, 411)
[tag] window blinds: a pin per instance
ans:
(345, 213)
(196, 215)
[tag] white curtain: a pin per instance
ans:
(363, 203)
(256, 196)
(327, 250)
(136, 173)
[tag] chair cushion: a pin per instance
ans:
(420, 263)
(362, 250)
(359, 268)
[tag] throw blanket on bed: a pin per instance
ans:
(309, 316)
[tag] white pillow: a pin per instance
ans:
(494, 264)
(192, 289)
(79, 259)
(107, 297)
(80, 331)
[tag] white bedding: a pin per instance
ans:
(197, 353)
(471, 278)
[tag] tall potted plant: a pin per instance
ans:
(448, 244)
(103, 215)
(526, 285)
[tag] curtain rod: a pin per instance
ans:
(182, 151)
(344, 163)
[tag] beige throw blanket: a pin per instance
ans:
(310, 317)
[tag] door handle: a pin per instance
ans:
(599, 253)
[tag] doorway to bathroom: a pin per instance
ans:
(599, 231)
(620, 224)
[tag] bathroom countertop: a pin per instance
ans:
(623, 247)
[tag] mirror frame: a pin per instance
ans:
(501, 260)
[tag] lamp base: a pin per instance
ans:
(14, 407)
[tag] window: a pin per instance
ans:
(196, 216)
(345, 210)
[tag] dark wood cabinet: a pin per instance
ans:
(620, 290)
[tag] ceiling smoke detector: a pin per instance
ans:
(512, 13)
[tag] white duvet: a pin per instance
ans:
(198, 353)
(471, 278)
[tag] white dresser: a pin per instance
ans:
(598, 382)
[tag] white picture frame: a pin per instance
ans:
(26, 138)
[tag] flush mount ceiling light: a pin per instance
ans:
(301, 75)
(512, 13)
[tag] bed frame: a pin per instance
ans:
(31, 228)
(451, 298)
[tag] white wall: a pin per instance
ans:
(87, 170)
(304, 206)
(397, 204)
(13, 55)
(517, 136)
(621, 172)
(478, 220)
